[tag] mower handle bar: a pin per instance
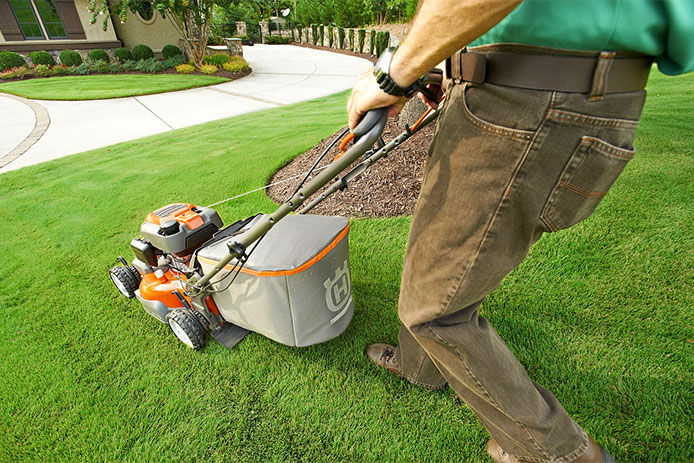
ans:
(366, 133)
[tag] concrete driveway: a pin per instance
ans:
(34, 131)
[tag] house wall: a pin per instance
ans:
(155, 33)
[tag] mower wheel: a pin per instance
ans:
(126, 279)
(187, 328)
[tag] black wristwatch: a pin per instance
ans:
(387, 84)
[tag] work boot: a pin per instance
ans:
(383, 355)
(593, 454)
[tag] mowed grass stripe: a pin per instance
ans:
(600, 314)
(96, 87)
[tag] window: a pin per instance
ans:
(51, 19)
(27, 19)
(146, 11)
(34, 28)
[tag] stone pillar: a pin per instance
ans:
(234, 46)
(264, 29)
(241, 28)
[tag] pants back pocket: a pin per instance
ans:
(588, 175)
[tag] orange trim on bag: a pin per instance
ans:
(275, 273)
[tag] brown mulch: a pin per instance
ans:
(336, 50)
(388, 188)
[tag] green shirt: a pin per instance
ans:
(663, 29)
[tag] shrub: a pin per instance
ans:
(99, 55)
(314, 33)
(185, 68)
(213, 40)
(16, 73)
(142, 52)
(129, 65)
(208, 69)
(293, 39)
(301, 32)
(98, 67)
(341, 34)
(150, 65)
(81, 70)
(10, 59)
(169, 51)
(114, 68)
(362, 37)
(236, 65)
(41, 57)
(60, 70)
(219, 59)
(276, 40)
(331, 36)
(321, 33)
(122, 54)
(351, 39)
(173, 61)
(372, 41)
(43, 70)
(70, 58)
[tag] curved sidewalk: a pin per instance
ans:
(282, 74)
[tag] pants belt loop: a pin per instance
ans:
(602, 71)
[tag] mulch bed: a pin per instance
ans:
(336, 50)
(388, 188)
(220, 73)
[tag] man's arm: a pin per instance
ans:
(440, 28)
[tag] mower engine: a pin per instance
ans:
(169, 237)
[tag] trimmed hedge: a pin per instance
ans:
(362, 37)
(142, 52)
(169, 51)
(70, 58)
(41, 57)
(10, 59)
(276, 40)
(122, 54)
(99, 55)
(372, 41)
(341, 37)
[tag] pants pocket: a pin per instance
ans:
(587, 176)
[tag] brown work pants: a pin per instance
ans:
(506, 165)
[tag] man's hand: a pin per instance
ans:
(367, 95)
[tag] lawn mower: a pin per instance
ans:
(285, 276)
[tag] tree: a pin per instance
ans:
(191, 17)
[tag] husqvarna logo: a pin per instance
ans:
(338, 292)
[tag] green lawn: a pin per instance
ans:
(105, 86)
(601, 314)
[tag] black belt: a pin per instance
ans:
(594, 75)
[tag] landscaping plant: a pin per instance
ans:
(98, 67)
(41, 57)
(169, 51)
(372, 41)
(81, 70)
(60, 70)
(321, 33)
(351, 39)
(122, 54)
(185, 68)
(208, 69)
(276, 40)
(331, 36)
(314, 34)
(236, 64)
(99, 55)
(217, 59)
(43, 70)
(341, 37)
(142, 52)
(362, 38)
(192, 19)
(174, 61)
(70, 58)
(10, 59)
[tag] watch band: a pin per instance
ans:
(382, 74)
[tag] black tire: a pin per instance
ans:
(126, 279)
(187, 328)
